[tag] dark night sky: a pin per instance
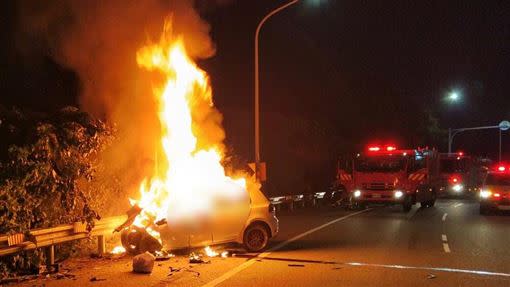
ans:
(359, 70)
(370, 68)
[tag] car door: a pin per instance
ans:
(229, 218)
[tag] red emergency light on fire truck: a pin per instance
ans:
(384, 174)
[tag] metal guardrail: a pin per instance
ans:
(49, 237)
(290, 201)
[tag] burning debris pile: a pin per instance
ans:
(189, 189)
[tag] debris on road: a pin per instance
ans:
(95, 279)
(296, 265)
(173, 270)
(163, 255)
(143, 263)
(197, 258)
(431, 276)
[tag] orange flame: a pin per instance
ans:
(194, 178)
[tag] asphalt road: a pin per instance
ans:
(447, 245)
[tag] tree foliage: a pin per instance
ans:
(48, 162)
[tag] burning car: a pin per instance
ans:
(190, 199)
(252, 229)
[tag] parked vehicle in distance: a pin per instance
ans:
(495, 193)
(390, 176)
(461, 175)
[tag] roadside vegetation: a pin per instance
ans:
(48, 167)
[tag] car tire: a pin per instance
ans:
(255, 238)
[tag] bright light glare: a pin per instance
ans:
(485, 194)
(118, 250)
(398, 194)
(454, 96)
(457, 188)
(501, 168)
(357, 193)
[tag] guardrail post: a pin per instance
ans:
(101, 245)
(50, 256)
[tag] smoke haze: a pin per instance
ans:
(99, 40)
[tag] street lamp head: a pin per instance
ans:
(453, 96)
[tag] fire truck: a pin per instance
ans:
(390, 176)
(461, 175)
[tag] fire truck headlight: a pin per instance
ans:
(485, 194)
(398, 194)
(357, 193)
(458, 188)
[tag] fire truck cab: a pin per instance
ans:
(460, 175)
(390, 176)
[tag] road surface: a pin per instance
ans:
(447, 245)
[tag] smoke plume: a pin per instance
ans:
(98, 40)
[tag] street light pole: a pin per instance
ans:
(500, 131)
(453, 132)
(450, 139)
(257, 107)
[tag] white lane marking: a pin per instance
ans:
(444, 238)
(446, 248)
(248, 263)
(457, 205)
(440, 269)
(444, 216)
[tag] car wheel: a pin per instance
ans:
(255, 238)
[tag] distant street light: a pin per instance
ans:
(453, 96)
(257, 107)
